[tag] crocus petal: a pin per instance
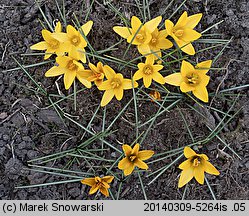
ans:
(185, 177)
(105, 184)
(93, 67)
(162, 34)
(104, 191)
(147, 79)
(46, 35)
(174, 79)
(106, 85)
(164, 43)
(203, 156)
(185, 164)
(124, 163)
(135, 23)
(83, 80)
(58, 27)
(204, 66)
(63, 61)
(107, 97)
(152, 24)
(209, 168)
(140, 164)
(149, 60)
(182, 21)
(71, 31)
(119, 92)
(190, 35)
(88, 75)
(73, 53)
(204, 80)
(127, 84)
(193, 20)
(186, 68)
(186, 47)
(47, 55)
(201, 93)
(62, 37)
(127, 149)
(82, 55)
(66, 46)
(129, 170)
(40, 46)
(158, 77)
(108, 179)
(124, 32)
(69, 77)
(144, 49)
(186, 88)
(188, 152)
(55, 71)
(138, 75)
(169, 27)
(93, 189)
(109, 72)
(199, 174)
(87, 27)
(145, 154)
(88, 181)
(135, 149)
(157, 67)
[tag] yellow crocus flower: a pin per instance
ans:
(50, 43)
(158, 42)
(134, 158)
(148, 71)
(71, 69)
(114, 85)
(192, 79)
(75, 42)
(95, 74)
(195, 166)
(139, 34)
(97, 183)
(183, 31)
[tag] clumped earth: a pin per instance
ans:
(28, 129)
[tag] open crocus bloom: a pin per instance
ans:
(183, 31)
(195, 166)
(149, 71)
(50, 43)
(71, 69)
(74, 43)
(139, 34)
(134, 158)
(97, 183)
(192, 79)
(114, 85)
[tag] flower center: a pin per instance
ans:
(192, 79)
(148, 70)
(71, 66)
(75, 40)
(132, 158)
(178, 33)
(139, 36)
(196, 162)
(153, 40)
(54, 44)
(115, 83)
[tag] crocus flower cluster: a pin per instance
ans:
(150, 41)
(69, 48)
